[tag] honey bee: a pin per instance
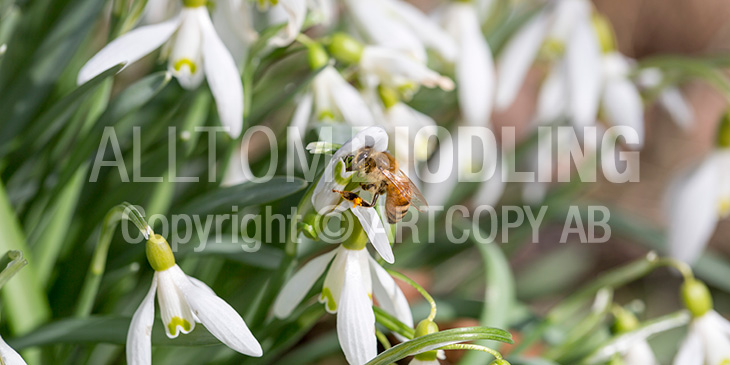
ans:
(380, 175)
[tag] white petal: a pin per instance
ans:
(174, 310)
(640, 354)
(185, 58)
(690, 351)
(389, 295)
(551, 103)
(295, 11)
(722, 163)
(677, 106)
(233, 20)
(332, 287)
(355, 317)
(373, 227)
(623, 106)
(516, 58)
(221, 320)
(491, 191)
(139, 335)
(566, 15)
(384, 28)
(128, 48)
(424, 28)
(583, 61)
(297, 287)
(474, 67)
(8, 356)
(715, 341)
(348, 100)
(223, 79)
(692, 212)
(323, 199)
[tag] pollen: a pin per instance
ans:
(357, 202)
(176, 322)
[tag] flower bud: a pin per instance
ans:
(696, 297)
(311, 225)
(159, 253)
(345, 48)
(317, 56)
(194, 3)
(625, 321)
(426, 327)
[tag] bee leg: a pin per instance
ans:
(349, 195)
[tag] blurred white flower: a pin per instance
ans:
(621, 100)
(707, 342)
(697, 200)
(399, 25)
(397, 70)
(670, 97)
(196, 52)
(640, 353)
(183, 301)
(233, 19)
(336, 177)
(565, 32)
(349, 286)
(474, 65)
(8, 356)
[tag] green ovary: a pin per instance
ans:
(177, 321)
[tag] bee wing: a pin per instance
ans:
(406, 187)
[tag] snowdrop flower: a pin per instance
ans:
(398, 25)
(183, 302)
(234, 22)
(708, 339)
(351, 282)
(8, 356)
(474, 65)
(336, 177)
(670, 97)
(386, 66)
(196, 52)
(566, 33)
(621, 100)
(697, 201)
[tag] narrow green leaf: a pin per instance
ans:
(392, 323)
(439, 339)
(10, 264)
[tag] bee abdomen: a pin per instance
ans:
(396, 212)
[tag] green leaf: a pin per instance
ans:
(111, 330)
(24, 300)
(392, 323)
(15, 262)
(440, 339)
(246, 194)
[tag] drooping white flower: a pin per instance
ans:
(697, 200)
(640, 353)
(8, 356)
(564, 28)
(399, 25)
(474, 65)
(196, 53)
(670, 97)
(183, 301)
(398, 70)
(707, 342)
(352, 280)
(233, 20)
(621, 99)
(336, 177)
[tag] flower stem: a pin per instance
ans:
(681, 266)
(420, 289)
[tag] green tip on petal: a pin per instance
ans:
(176, 322)
(329, 300)
(194, 3)
(696, 297)
(159, 253)
(345, 48)
(312, 225)
(185, 62)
